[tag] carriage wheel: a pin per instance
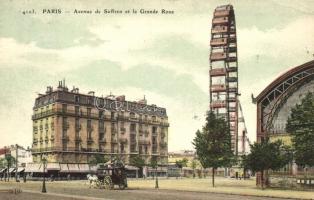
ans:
(98, 184)
(108, 183)
(123, 184)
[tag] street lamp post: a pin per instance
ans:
(44, 160)
(156, 181)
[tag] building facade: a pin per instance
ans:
(274, 106)
(71, 127)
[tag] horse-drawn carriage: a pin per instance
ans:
(110, 174)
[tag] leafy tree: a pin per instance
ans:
(9, 161)
(3, 163)
(154, 165)
(182, 163)
(301, 126)
(193, 166)
(267, 155)
(213, 144)
(97, 158)
(138, 162)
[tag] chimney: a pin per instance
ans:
(120, 98)
(92, 93)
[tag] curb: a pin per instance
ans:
(66, 195)
(230, 193)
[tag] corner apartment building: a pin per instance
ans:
(70, 127)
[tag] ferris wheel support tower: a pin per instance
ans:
(223, 73)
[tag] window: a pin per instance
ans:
(154, 129)
(154, 118)
(89, 110)
(77, 99)
(146, 150)
(133, 127)
(132, 115)
(64, 108)
(101, 114)
(77, 110)
(140, 149)
(89, 124)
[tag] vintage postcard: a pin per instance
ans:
(161, 99)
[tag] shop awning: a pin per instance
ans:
(53, 166)
(11, 170)
(20, 169)
(64, 168)
(93, 168)
(74, 168)
(84, 168)
(3, 170)
(130, 167)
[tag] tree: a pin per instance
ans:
(182, 163)
(10, 160)
(154, 165)
(193, 166)
(138, 162)
(97, 158)
(300, 124)
(267, 155)
(3, 163)
(213, 144)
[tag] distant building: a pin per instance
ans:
(179, 155)
(24, 156)
(71, 127)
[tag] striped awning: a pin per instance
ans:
(84, 168)
(11, 170)
(64, 167)
(53, 166)
(3, 170)
(74, 168)
(20, 169)
(93, 168)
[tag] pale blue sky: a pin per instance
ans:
(164, 57)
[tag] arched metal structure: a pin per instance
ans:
(223, 74)
(277, 98)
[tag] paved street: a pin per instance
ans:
(185, 189)
(95, 194)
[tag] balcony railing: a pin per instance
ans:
(133, 118)
(69, 149)
(142, 141)
(78, 139)
(123, 140)
(65, 137)
(102, 140)
(90, 140)
(114, 140)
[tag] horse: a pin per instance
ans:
(92, 180)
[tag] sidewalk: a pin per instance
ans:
(223, 186)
